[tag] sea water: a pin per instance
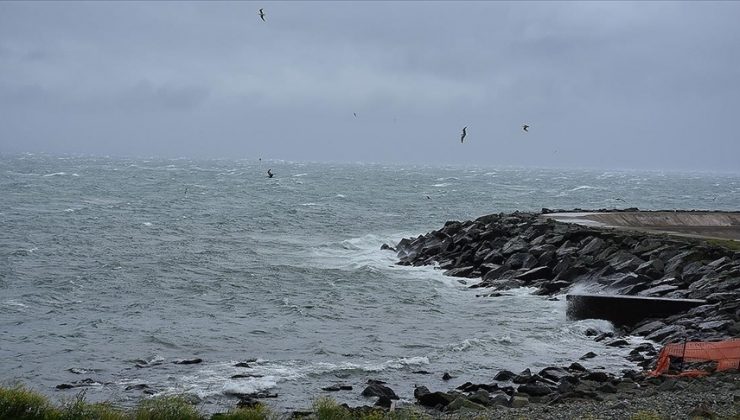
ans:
(112, 269)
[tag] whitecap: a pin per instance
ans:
(340, 195)
(57, 174)
(75, 174)
(465, 344)
(309, 204)
(443, 184)
(583, 187)
(147, 223)
(69, 210)
(249, 385)
(13, 302)
(298, 175)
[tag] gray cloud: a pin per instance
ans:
(613, 84)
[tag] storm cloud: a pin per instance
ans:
(602, 84)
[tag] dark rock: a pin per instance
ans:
(590, 332)
(593, 246)
(589, 355)
(658, 290)
(188, 361)
(535, 273)
(446, 376)
(137, 387)
(379, 390)
(618, 343)
(495, 273)
(514, 245)
(648, 328)
(432, 399)
(575, 366)
(331, 388)
(523, 377)
(652, 269)
(504, 375)
(422, 372)
(534, 389)
(521, 260)
(552, 287)
(246, 375)
(666, 331)
(596, 376)
(77, 384)
(607, 388)
(242, 364)
(387, 247)
(555, 374)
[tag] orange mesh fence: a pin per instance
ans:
(725, 353)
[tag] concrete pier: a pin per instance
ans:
(625, 310)
(699, 224)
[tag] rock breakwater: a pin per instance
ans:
(507, 251)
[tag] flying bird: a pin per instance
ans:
(355, 114)
(269, 173)
(262, 15)
(464, 133)
(525, 127)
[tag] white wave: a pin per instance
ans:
(340, 196)
(249, 385)
(69, 210)
(298, 175)
(147, 223)
(443, 184)
(466, 344)
(209, 379)
(309, 204)
(583, 187)
(57, 174)
(13, 302)
(75, 174)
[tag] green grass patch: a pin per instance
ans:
(20, 403)
(647, 415)
(78, 408)
(166, 408)
(259, 412)
(725, 243)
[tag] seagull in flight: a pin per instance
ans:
(262, 15)
(269, 173)
(464, 133)
(525, 127)
(355, 114)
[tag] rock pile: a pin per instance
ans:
(521, 249)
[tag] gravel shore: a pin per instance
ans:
(716, 397)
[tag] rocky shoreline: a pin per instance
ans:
(505, 251)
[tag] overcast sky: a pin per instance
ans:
(602, 84)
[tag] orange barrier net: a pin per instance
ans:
(725, 353)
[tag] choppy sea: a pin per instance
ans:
(112, 269)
